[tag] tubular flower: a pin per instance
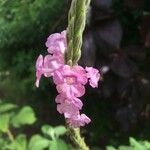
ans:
(79, 120)
(70, 80)
(56, 43)
(51, 64)
(68, 107)
(93, 75)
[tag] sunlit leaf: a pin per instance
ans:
(4, 107)
(60, 130)
(58, 145)
(37, 142)
(49, 131)
(19, 143)
(24, 116)
(4, 122)
(136, 144)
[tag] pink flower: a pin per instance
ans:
(93, 75)
(78, 121)
(57, 43)
(39, 67)
(47, 66)
(69, 107)
(51, 64)
(70, 81)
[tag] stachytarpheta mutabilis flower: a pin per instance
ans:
(70, 81)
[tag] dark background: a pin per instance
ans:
(116, 41)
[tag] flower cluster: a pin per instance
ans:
(70, 80)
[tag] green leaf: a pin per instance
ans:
(125, 148)
(60, 130)
(136, 144)
(3, 143)
(4, 122)
(20, 143)
(147, 144)
(25, 116)
(49, 131)
(37, 142)
(4, 107)
(58, 145)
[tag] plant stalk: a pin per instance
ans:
(76, 25)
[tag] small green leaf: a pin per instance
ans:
(58, 145)
(136, 144)
(147, 144)
(37, 142)
(25, 116)
(60, 130)
(3, 143)
(125, 148)
(4, 107)
(49, 131)
(20, 143)
(4, 122)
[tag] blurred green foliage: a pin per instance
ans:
(24, 27)
(12, 117)
(134, 145)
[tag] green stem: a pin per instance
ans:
(10, 135)
(76, 26)
(76, 138)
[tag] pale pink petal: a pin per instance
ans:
(74, 101)
(93, 75)
(39, 67)
(52, 38)
(56, 43)
(77, 102)
(65, 90)
(58, 78)
(79, 121)
(81, 74)
(69, 107)
(37, 82)
(60, 99)
(51, 64)
(85, 119)
(78, 90)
